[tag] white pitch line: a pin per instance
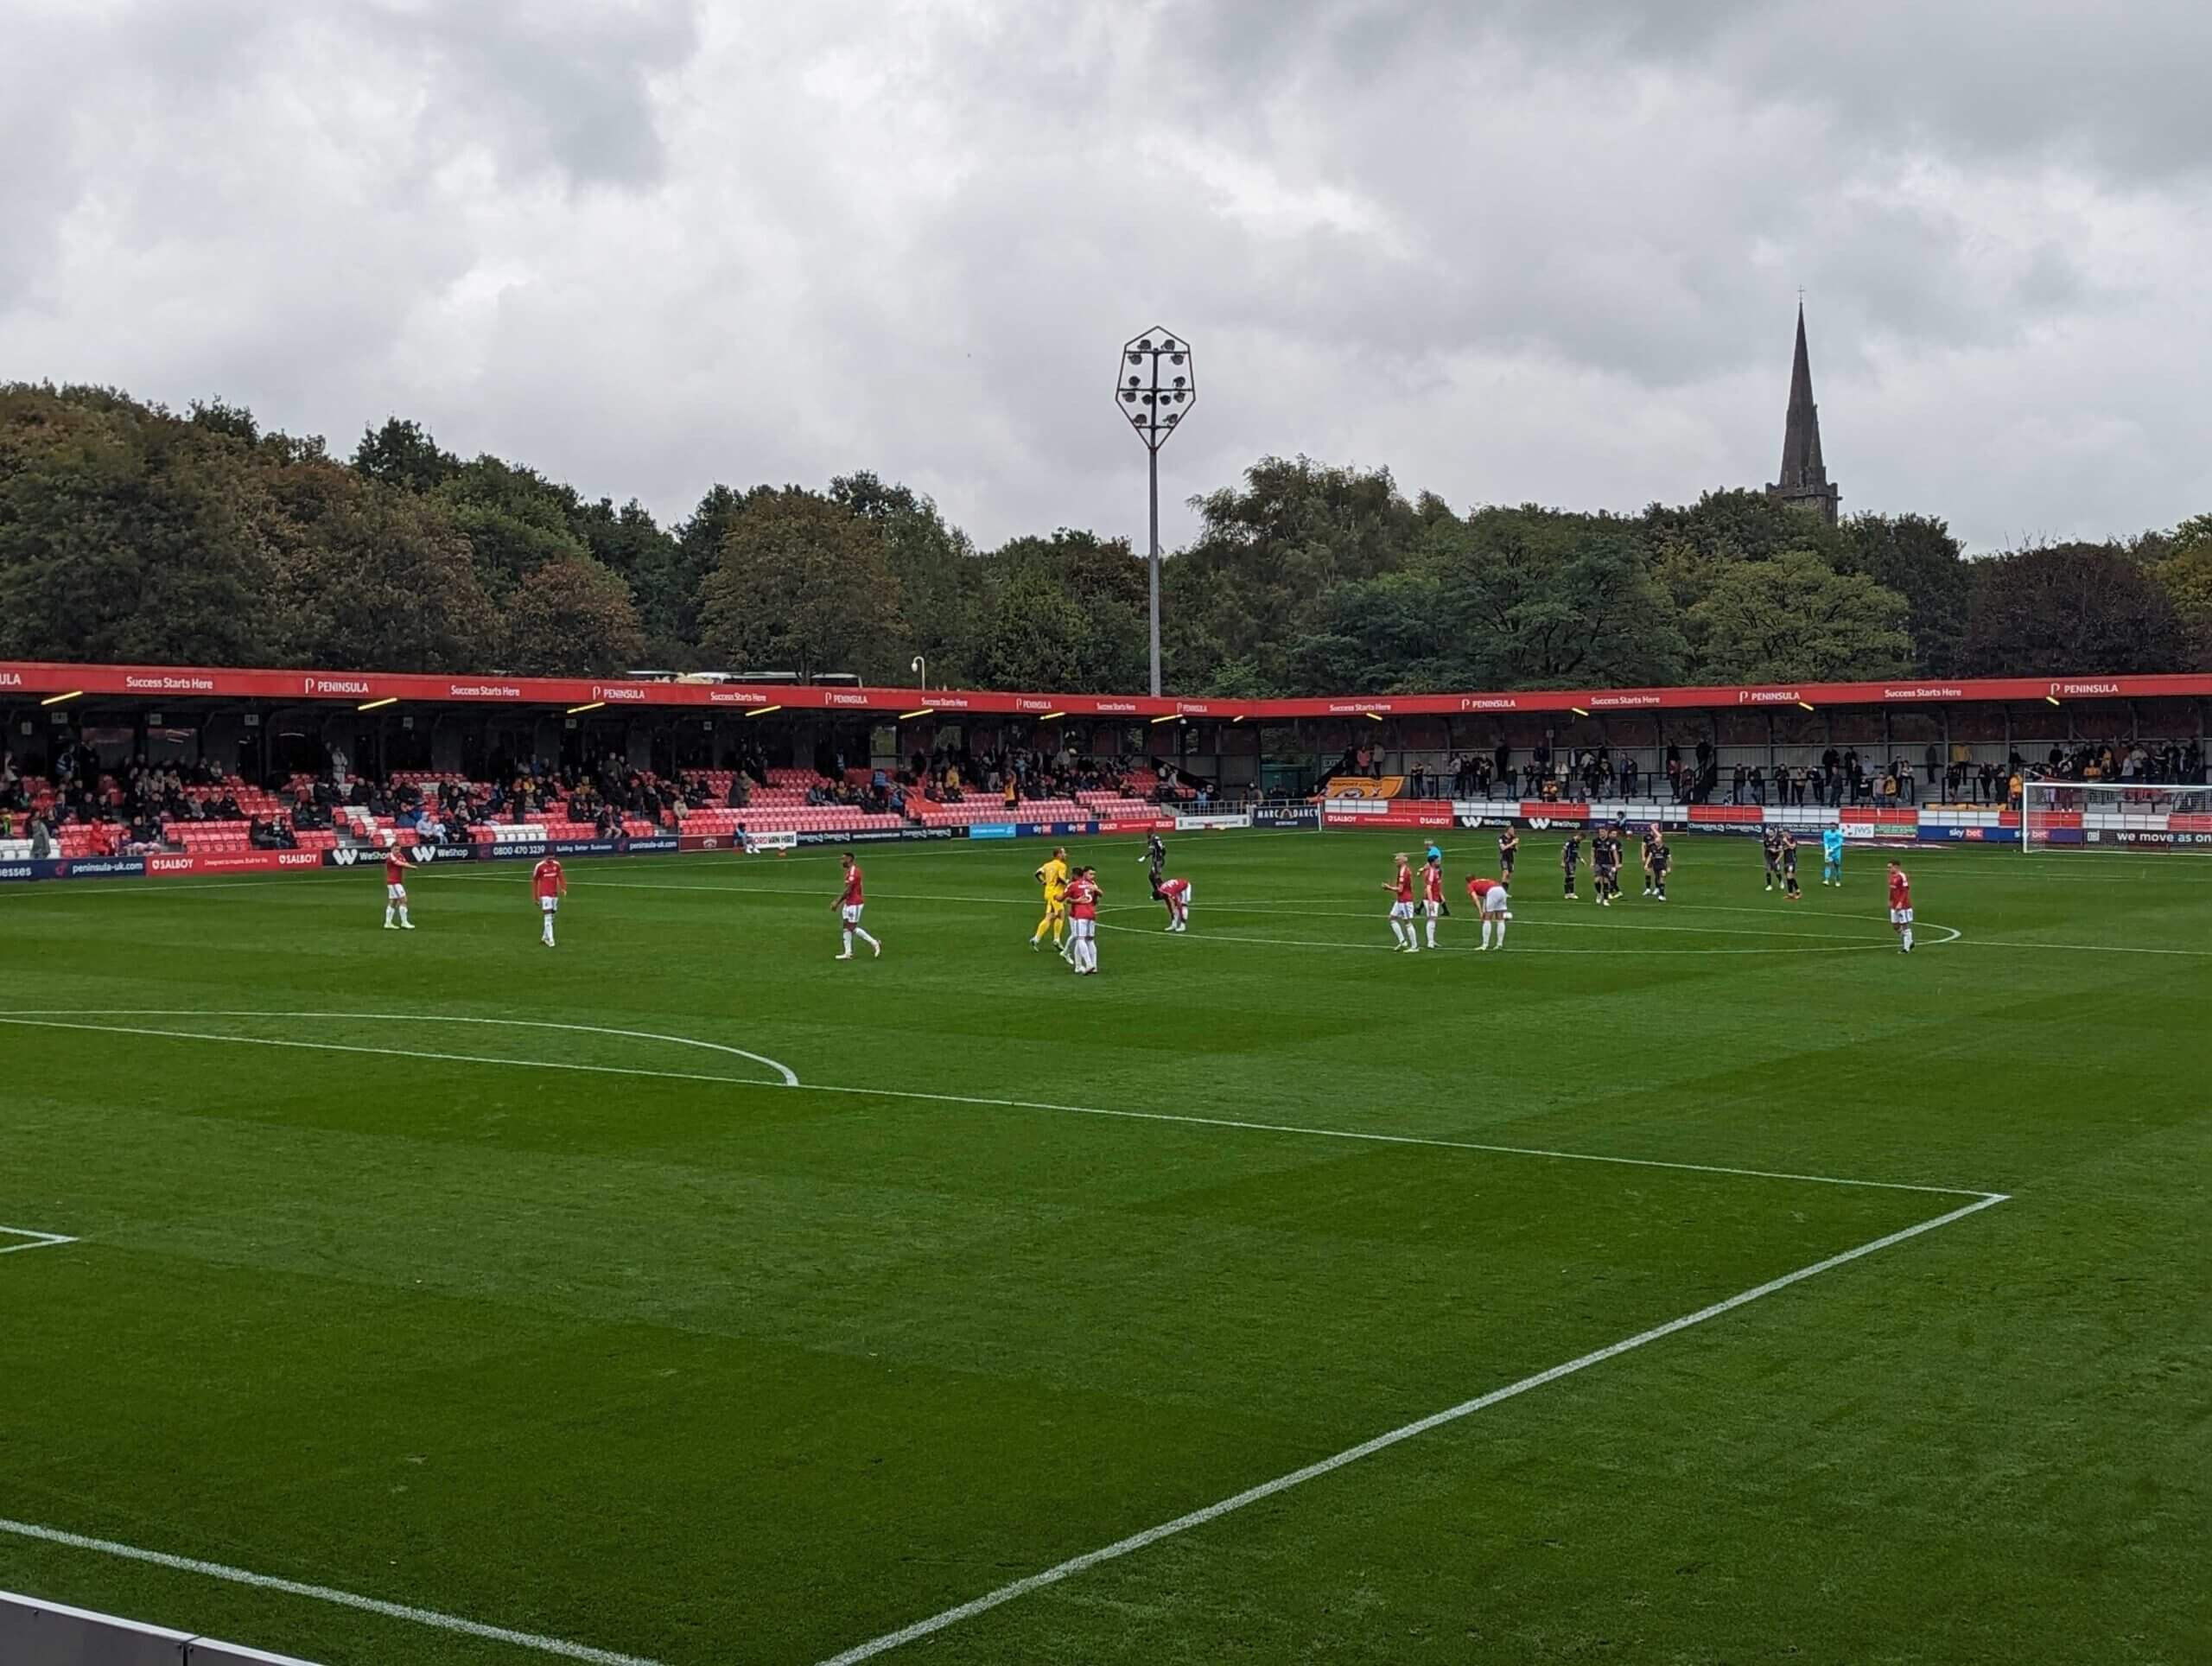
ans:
(2085, 948)
(1385, 948)
(37, 1240)
(388, 1052)
(1151, 1536)
(429, 1617)
(789, 1076)
(1393, 1139)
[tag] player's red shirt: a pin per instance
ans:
(854, 897)
(1405, 882)
(1900, 890)
(1174, 887)
(1479, 889)
(1432, 884)
(395, 869)
(545, 880)
(1083, 899)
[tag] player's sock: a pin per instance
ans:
(1432, 933)
(1908, 939)
(1501, 934)
(1397, 932)
(387, 914)
(404, 923)
(549, 931)
(1485, 934)
(865, 937)
(848, 942)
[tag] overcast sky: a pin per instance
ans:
(1512, 251)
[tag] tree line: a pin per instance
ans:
(129, 532)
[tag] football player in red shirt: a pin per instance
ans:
(1490, 900)
(394, 887)
(1402, 907)
(548, 885)
(1082, 921)
(1901, 907)
(1176, 893)
(1432, 892)
(850, 901)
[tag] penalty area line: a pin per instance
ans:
(31, 1240)
(400, 1610)
(1213, 1512)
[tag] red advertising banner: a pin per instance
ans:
(45, 678)
(1726, 814)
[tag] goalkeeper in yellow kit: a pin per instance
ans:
(1053, 876)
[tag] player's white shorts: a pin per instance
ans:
(1434, 908)
(1401, 910)
(396, 893)
(1900, 916)
(852, 912)
(1184, 902)
(1083, 929)
(550, 905)
(1494, 900)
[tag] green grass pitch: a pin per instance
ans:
(608, 1336)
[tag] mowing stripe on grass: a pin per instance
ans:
(1398, 1139)
(413, 1616)
(1213, 1512)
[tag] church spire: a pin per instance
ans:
(1804, 481)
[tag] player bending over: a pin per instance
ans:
(1175, 895)
(1402, 907)
(1901, 907)
(394, 887)
(548, 885)
(850, 901)
(1053, 876)
(1832, 855)
(1082, 921)
(1570, 858)
(1490, 903)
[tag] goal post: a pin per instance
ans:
(2060, 815)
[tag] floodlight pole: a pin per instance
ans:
(1152, 455)
(1155, 403)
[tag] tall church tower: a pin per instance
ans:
(1804, 483)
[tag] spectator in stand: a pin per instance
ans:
(42, 838)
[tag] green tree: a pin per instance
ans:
(942, 582)
(1916, 556)
(572, 617)
(128, 535)
(1538, 598)
(1103, 583)
(802, 584)
(1793, 618)
(2065, 609)
(514, 518)
(402, 454)
(377, 578)
(2184, 571)
(1033, 635)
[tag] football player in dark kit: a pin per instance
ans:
(1789, 891)
(1155, 858)
(1773, 842)
(1658, 858)
(1509, 846)
(1570, 858)
(1605, 866)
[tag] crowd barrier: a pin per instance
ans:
(36, 1633)
(1862, 825)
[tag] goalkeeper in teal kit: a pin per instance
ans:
(1832, 855)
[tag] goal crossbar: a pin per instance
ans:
(2121, 815)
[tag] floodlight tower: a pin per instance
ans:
(1156, 385)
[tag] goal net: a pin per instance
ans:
(2114, 815)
